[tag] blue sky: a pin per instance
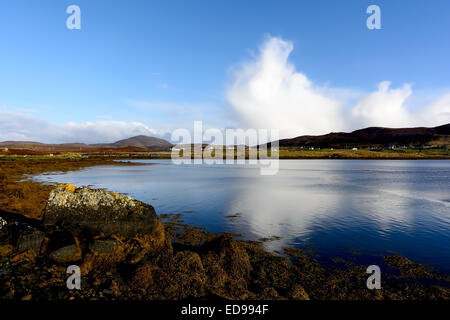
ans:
(164, 64)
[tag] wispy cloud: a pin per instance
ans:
(171, 115)
(163, 86)
(4, 107)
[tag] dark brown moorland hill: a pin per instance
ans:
(137, 143)
(376, 137)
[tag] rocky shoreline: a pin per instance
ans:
(125, 251)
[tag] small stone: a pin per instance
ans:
(66, 254)
(30, 240)
(108, 292)
(104, 246)
(25, 267)
(138, 257)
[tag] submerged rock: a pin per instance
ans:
(97, 212)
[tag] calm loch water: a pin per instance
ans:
(375, 207)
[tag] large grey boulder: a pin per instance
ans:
(96, 212)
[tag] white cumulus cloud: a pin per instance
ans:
(268, 92)
(24, 127)
(384, 107)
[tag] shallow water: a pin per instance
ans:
(334, 205)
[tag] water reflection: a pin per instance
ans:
(369, 205)
(284, 207)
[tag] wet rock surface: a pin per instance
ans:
(84, 210)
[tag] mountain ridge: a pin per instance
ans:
(374, 136)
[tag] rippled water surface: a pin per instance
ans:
(332, 205)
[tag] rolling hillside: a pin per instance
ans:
(140, 143)
(376, 137)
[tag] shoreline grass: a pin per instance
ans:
(283, 153)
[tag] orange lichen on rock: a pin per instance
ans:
(68, 187)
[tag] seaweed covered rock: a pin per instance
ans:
(230, 254)
(227, 266)
(408, 267)
(95, 212)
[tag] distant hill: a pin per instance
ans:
(368, 137)
(20, 143)
(138, 143)
(376, 137)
